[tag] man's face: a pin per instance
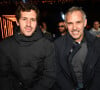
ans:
(27, 22)
(96, 25)
(75, 25)
(61, 27)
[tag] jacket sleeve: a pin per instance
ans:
(95, 83)
(4, 72)
(49, 73)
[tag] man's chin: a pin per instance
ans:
(28, 35)
(76, 37)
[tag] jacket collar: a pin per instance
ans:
(23, 40)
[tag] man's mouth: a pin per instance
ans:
(28, 29)
(75, 32)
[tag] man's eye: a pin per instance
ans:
(79, 22)
(69, 23)
(24, 18)
(33, 19)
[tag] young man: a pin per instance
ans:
(27, 59)
(96, 29)
(62, 28)
(45, 32)
(78, 55)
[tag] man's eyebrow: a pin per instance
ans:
(79, 21)
(69, 22)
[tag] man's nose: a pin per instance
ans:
(28, 23)
(74, 26)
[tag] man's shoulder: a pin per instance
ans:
(6, 44)
(6, 40)
(92, 30)
(61, 38)
(99, 29)
(96, 43)
(45, 41)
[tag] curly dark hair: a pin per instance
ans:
(26, 7)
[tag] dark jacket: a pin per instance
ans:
(66, 80)
(27, 63)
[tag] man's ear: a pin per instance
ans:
(17, 23)
(85, 23)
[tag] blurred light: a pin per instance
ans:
(24, 1)
(10, 17)
(62, 16)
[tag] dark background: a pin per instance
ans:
(50, 10)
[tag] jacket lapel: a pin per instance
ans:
(67, 45)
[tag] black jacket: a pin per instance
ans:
(66, 80)
(27, 63)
